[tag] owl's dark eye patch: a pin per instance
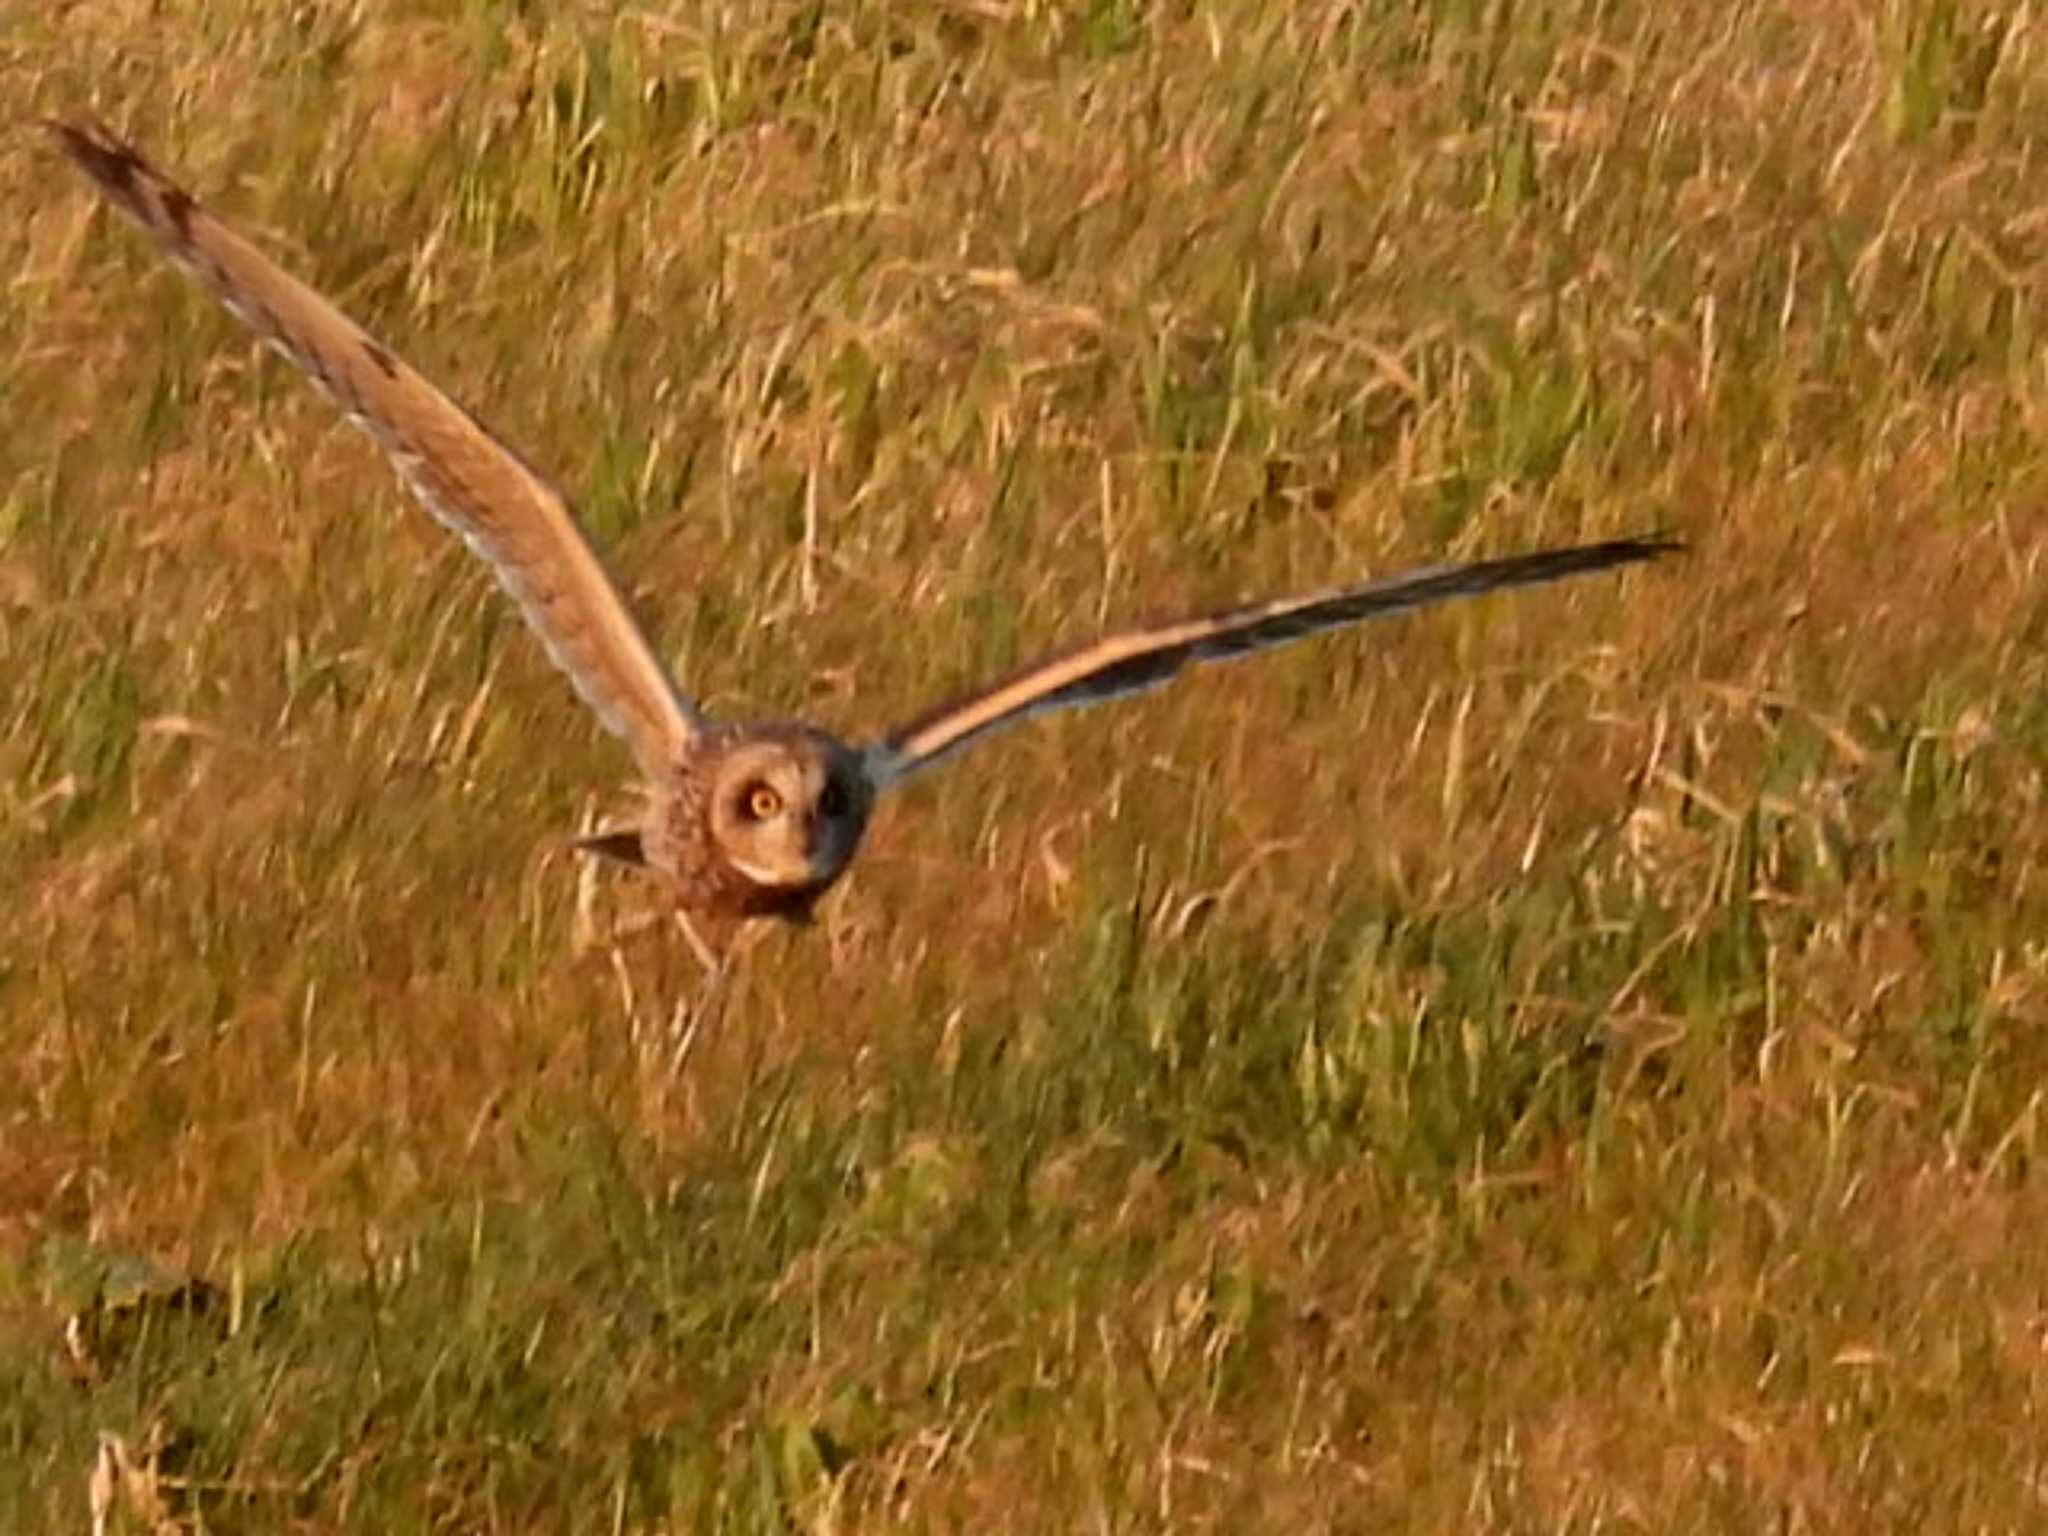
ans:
(832, 800)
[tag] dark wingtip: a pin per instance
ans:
(621, 847)
(129, 181)
(95, 149)
(1658, 543)
(1647, 546)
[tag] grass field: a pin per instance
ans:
(1569, 1062)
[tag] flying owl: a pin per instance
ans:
(744, 820)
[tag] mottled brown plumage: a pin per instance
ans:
(681, 838)
(745, 821)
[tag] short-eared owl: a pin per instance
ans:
(745, 820)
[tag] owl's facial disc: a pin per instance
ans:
(787, 813)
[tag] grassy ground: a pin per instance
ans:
(1570, 1062)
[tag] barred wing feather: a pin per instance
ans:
(506, 510)
(1139, 659)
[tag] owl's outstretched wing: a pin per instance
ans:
(1144, 658)
(507, 511)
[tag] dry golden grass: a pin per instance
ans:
(1562, 1063)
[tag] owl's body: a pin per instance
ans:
(744, 821)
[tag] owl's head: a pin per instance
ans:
(787, 808)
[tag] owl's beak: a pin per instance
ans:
(814, 843)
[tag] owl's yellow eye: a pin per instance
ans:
(762, 802)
